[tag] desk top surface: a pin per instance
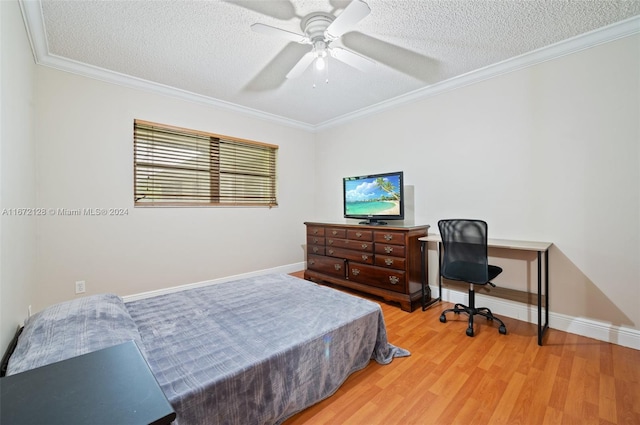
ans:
(501, 243)
(113, 385)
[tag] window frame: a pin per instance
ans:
(256, 151)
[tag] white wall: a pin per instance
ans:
(84, 138)
(546, 153)
(17, 173)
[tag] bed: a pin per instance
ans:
(251, 351)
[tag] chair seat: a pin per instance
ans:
(470, 272)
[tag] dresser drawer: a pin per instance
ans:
(361, 257)
(336, 233)
(391, 262)
(315, 240)
(315, 249)
(387, 249)
(328, 265)
(360, 235)
(382, 277)
(315, 230)
(349, 244)
(393, 238)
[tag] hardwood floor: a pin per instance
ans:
(489, 379)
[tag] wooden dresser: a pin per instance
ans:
(378, 260)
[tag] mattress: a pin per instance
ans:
(251, 351)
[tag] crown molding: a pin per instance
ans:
(34, 23)
(581, 42)
(36, 33)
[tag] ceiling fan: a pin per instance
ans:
(320, 30)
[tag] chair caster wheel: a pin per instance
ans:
(469, 331)
(443, 318)
(503, 330)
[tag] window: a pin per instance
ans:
(179, 167)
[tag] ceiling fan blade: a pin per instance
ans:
(277, 32)
(351, 15)
(272, 75)
(279, 9)
(353, 59)
(408, 62)
(302, 64)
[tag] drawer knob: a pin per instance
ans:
(388, 249)
(394, 280)
(312, 262)
(365, 246)
(388, 237)
(331, 252)
(365, 257)
(337, 266)
(355, 272)
(388, 261)
(315, 231)
(359, 234)
(315, 240)
(315, 249)
(335, 232)
(330, 241)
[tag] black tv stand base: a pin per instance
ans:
(374, 223)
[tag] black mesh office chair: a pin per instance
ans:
(465, 259)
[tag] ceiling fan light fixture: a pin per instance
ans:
(320, 29)
(320, 51)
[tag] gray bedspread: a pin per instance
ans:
(257, 350)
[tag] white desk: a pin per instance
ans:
(539, 247)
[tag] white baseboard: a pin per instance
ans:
(590, 328)
(290, 268)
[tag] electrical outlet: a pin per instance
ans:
(80, 287)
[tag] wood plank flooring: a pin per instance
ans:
(489, 379)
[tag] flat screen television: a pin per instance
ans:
(374, 198)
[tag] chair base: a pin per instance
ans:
(471, 312)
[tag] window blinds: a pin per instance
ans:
(180, 167)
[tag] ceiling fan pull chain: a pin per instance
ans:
(326, 71)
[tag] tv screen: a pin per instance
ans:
(375, 197)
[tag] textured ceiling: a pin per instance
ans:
(207, 48)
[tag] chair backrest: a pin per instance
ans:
(465, 250)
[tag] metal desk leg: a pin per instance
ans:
(439, 275)
(542, 328)
(425, 288)
(546, 289)
(423, 278)
(539, 299)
